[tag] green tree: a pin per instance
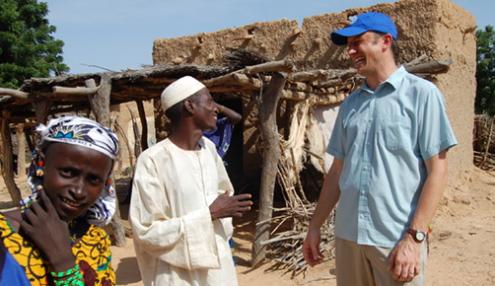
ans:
(485, 71)
(27, 47)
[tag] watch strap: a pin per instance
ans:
(414, 232)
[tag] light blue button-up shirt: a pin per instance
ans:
(383, 137)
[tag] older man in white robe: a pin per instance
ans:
(182, 200)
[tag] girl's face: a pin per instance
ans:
(74, 177)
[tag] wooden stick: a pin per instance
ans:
(14, 93)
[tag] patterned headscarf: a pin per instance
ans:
(83, 132)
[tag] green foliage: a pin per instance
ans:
(27, 48)
(485, 71)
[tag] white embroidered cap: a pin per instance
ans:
(180, 90)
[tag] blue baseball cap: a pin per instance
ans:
(370, 21)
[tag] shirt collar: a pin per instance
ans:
(396, 77)
(393, 80)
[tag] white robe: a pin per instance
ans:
(176, 241)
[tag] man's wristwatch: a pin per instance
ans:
(418, 235)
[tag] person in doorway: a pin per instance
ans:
(221, 135)
(390, 144)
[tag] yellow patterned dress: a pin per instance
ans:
(92, 252)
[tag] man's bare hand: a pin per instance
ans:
(311, 247)
(230, 206)
(405, 260)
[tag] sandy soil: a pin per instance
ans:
(462, 244)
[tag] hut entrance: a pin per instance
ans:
(233, 158)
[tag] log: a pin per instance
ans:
(100, 105)
(7, 160)
(271, 155)
(308, 75)
(14, 93)
(239, 77)
(321, 75)
(431, 67)
(83, 91)
(234, 81)
(274, 66)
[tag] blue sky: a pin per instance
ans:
(119, 34)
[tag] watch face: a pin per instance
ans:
(420, 236)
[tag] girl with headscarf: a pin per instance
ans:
(56, 235)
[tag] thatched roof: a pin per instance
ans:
(70, 92)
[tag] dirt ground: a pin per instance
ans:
(462, 244)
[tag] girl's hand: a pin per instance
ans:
(50, 234)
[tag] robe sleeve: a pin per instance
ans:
(224, 185)
(187, 242)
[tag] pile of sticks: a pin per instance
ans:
(291, 222)
(288, 236)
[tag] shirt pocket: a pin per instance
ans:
(395, 132)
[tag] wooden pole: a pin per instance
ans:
(42, 109)
(271, 155)
(21, 151)
(7, 159)
(100, 104)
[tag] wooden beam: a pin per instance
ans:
(83, 91)
(233, 80)
(274, 66)
(14, 93)
(271, 155)
(431, 67)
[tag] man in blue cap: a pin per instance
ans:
(389, 144)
